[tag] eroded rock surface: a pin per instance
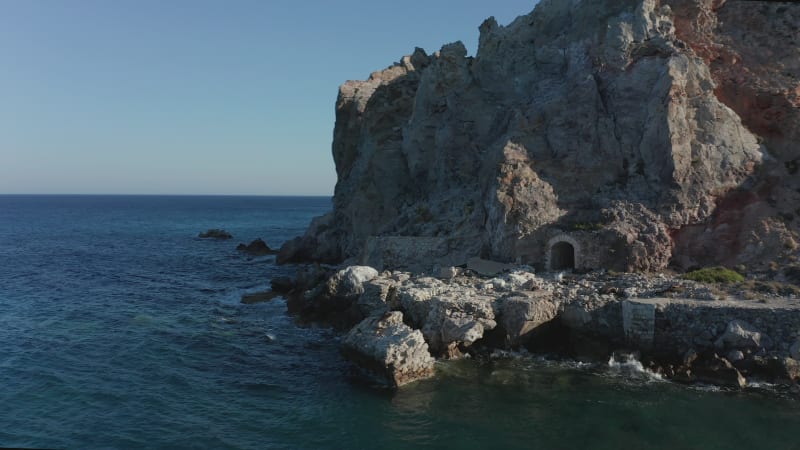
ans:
(642, 133)
(674, 323)
(389, 349)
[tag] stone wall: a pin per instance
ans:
(416, 254)
(674, 326)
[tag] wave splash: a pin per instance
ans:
(628, 364)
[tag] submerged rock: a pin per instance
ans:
(389, 350)
(258, 297)
(215, 233)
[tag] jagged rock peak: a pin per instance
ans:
(626, 134)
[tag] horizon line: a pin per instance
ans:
(78, 194)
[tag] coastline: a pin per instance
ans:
(396, 323)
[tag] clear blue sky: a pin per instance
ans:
(197, 96)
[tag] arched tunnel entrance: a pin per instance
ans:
(562, 256)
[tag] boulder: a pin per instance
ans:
(741, 335)
(456, 320)
(389, 350)
(576, 315)
(215, 233)
(714, 369)
(777, 369)
(414, 298)
(349, 282)
(378, 297)
(256, 248)
(521, 315)
(321, 297)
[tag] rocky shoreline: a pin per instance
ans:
(639, 136)
(397, 324)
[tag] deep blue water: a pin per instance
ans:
(120, 329)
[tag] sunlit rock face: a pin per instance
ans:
(626, 134)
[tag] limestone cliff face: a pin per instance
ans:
(639, 132)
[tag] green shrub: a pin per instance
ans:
(587, 226)
(714, 275)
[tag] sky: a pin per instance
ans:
(198, 96)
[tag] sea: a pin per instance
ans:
(121, 329)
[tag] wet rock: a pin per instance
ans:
(714, 369)
(259, 297)
(521, 315)
(282, 284)
(332, 300)
(781, 370)
(389, 350)
(256, 248)
(734, 356)
(215, 233)
(718, 371)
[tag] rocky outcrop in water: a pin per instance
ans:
(684, 330)
(215, 233)
(256, 248)
(392, 353)
(624, 134)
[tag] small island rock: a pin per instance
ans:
(215, 233)
(256, 248)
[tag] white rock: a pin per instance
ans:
(350, 281)
(389, 349)
(741, 335)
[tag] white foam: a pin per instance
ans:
(628, 364)
(761, 385)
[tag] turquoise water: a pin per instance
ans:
(120, 329)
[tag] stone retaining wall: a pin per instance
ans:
(677, 325)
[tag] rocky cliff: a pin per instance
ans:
(625, 134)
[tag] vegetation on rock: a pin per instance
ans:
(714, 275)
